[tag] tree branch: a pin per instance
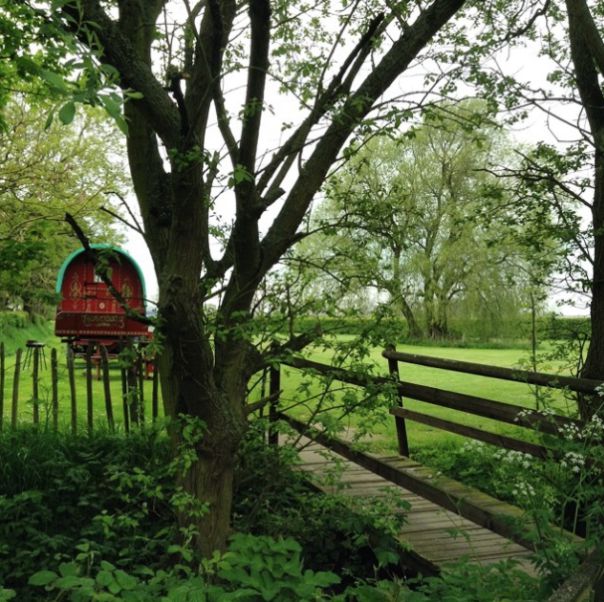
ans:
(102, 271)
(260, 14)
(134, 72)
(585, 71)
(358, 105)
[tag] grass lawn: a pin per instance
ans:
(420, 435)
(384, 436)
(43, 333)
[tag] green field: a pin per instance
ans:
(383, 437)
(384, 434)
(16, 338)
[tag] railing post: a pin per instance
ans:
(401, 427)
(274, 388)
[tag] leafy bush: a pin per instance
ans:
(104, 491)
(92, 517)
(254, 568)
(12, 319)
(564, 492)
(95, 513)
(333, 536)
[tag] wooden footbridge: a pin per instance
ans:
(447, 520)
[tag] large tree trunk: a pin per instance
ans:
(204, 367)
(190, 392)
(585, 44)
(594, 363)
(210, 480)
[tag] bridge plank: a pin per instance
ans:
(429, 529)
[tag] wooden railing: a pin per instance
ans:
(523, 416)
(589, 579)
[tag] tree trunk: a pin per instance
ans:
(584, 41)
(415, 331)
(594, 363)
(209, 478)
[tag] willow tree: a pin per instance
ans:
(336, 63)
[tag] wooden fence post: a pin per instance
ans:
(35, 386)
(132, 394)
(125, 400)
(89, 418)
(140, 373)
(2, 383)
(274, 388)
(72, 390)
(401, 427)
(15, 406)
(54, 376)
(154, 392)
(107, 386)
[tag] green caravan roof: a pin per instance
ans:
(81, 250)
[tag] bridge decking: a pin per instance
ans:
(435, 534)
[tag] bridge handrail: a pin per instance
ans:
(487, 408)
(554, 381)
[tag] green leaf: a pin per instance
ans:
(67, 112)
(106, 579)
(125, 581)
(68, 569)
(49, 119)
(54, 79)
(70, 582)
(113, 107)
(42, 578)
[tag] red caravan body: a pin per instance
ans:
(87, 311)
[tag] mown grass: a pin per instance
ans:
(43, 332)
(384, 434)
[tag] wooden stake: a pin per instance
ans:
(72, 390)
(54, 376)
(15, 406)
(35, 386)
(107, 387)
(2, 383)
(89, 387)
(141, 387)
(132, 394)
(125, 400)
(154, 392)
